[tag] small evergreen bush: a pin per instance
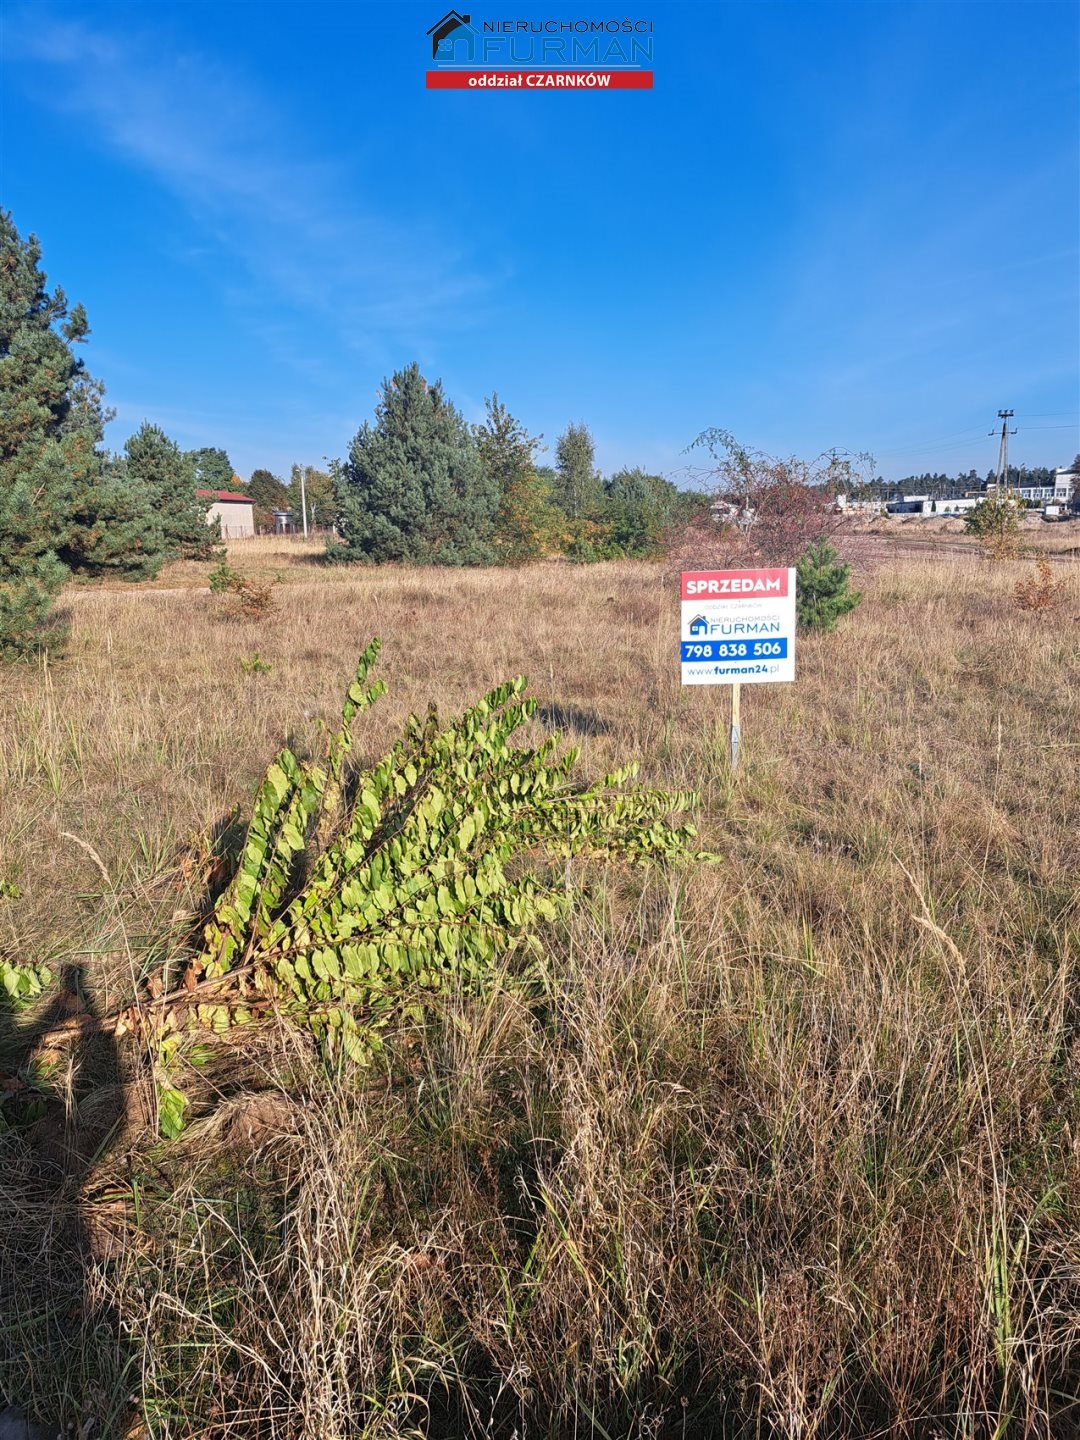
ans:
(996, 522)
(823, 592)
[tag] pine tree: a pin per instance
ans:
(157, 463)
(117, 525)
(64, 504)
(821, 593)
(577, 491)
(412, 488)
(48, 439)
(996, 522)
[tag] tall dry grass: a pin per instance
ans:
(785, 1145)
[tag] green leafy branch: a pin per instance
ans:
(359, 890)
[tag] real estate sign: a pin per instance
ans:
(738, 626)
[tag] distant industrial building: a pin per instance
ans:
(1060, 488)
(1066, 484)
(1060, 494)
(933, 504)
(1065, 503)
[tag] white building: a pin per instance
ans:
(929, 505)
(236, 513)
(960, 505)
(846, 504)
(1065, 482)
(1061, 488)
(1036, 492)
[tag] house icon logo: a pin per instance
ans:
(699, 626)
(450, 23)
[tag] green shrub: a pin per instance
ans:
(823, 591)
(27, 622)
(996, 522)
(357, 893)
(223, 578)
(248, 598)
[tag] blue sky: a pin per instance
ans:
(851, 225)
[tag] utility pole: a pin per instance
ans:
(303, 497)
(1003, 448)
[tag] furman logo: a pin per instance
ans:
(702, 583)
(700, 625)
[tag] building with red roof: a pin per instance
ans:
(235, 511)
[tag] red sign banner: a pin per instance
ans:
(539, 79)
(716, 584)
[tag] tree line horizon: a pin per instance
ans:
(421, 485)
(418, 485)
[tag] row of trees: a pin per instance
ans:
(423, 486)
(419, 484)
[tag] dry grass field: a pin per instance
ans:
(784, 1145)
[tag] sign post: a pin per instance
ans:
(738, 627)
(736, 723)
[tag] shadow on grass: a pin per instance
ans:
(64, 1360)
(570, 720)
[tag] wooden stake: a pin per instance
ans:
(736, 724)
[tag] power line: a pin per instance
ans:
(917, 450)
(949, 442)
(953, 435)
